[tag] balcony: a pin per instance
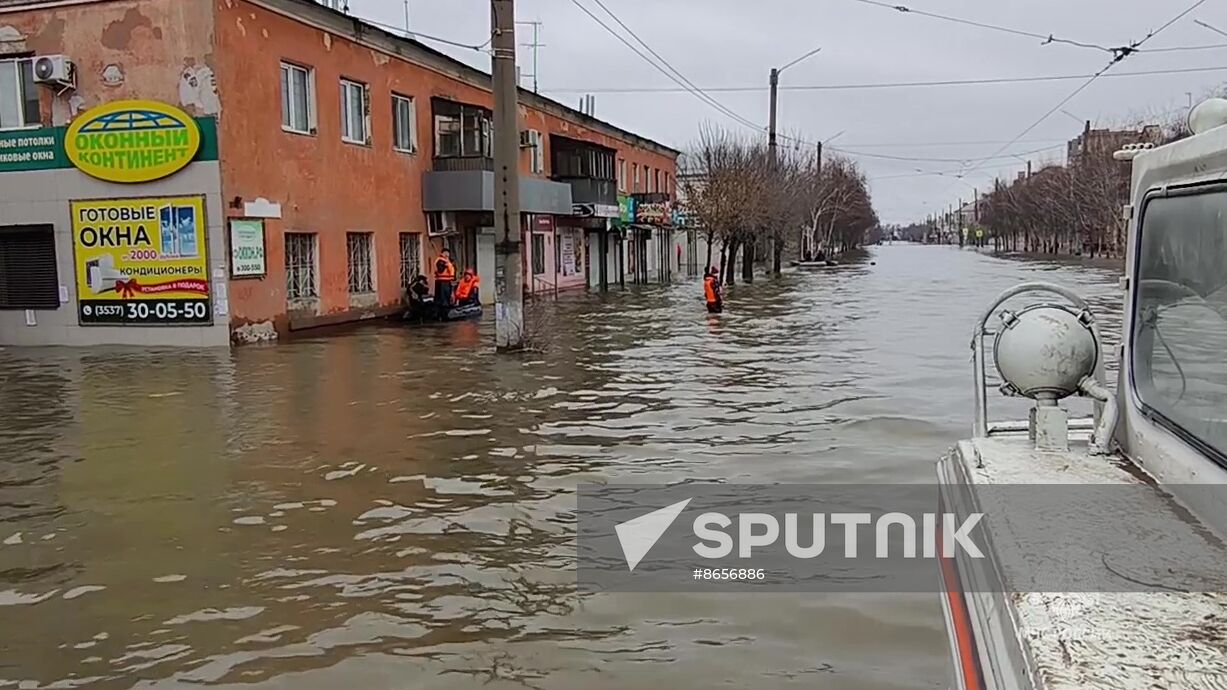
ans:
(462, 164)
(586, 190)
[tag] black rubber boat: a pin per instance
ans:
(425, 312)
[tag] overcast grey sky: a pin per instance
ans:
(734, 43)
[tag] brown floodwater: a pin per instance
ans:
(395, 508)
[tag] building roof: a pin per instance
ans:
(418, 52)
(411, 50)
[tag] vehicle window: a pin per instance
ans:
(1180, 315)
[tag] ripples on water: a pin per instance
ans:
(395, 508)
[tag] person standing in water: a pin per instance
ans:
(445, 274)
(711, 291)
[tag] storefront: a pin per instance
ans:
(111, 231)
(650, 250)
(594, 226)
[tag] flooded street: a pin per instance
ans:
(394, 508)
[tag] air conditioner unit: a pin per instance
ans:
(526, 139)
(56, 70)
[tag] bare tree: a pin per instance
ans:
(737, 194)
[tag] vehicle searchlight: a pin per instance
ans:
(1208, 115)
(1047, 352)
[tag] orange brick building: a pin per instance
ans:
(361, 154)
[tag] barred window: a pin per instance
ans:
(27, 268)
(300, 265)
(410, 257)
(358, 251)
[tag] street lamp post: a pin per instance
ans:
(774, 82)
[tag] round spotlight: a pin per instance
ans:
(1208, 115)
(1045, 351)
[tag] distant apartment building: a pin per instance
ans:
(199, 173)
(1098, 145)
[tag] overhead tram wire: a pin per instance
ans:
(915, 159)
(680, 79)
(1046, 40)
(992, 27)
(896, 85)
(1085, 85)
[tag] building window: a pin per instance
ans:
(404, 124)
(668, 188)
(18, 95)
(358, 256)
(297, 99)
(27, 268)
(410, 257)
(538, 253)
(355, 112)
(656, 178)
(572, 159)
(462, 130)
(635, 168)
(537, 149)
(622, 175)
(300, 265)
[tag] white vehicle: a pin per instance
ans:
(1163, 430)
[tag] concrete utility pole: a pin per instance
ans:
(508, 269)
(961, 207)
(775, 85)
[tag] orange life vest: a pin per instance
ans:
(448, 273)
(709, 290)
(465, 288)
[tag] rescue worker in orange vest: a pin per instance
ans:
(711, 291)
(445, 274)
(466, 291)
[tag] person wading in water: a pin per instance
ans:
(711, 291)
(445, 274)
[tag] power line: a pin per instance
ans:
(667, 65)
(893, 85)
(861, 154)
(679, 79)
(1181, 49)
(922, 144)
(418, 35)
(992, 27)
(1119, 51)
(1115, 59)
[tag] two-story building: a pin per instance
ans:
(204, 172)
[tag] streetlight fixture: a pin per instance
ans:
(1073, 117)
(1212, 28)
(775, 83)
